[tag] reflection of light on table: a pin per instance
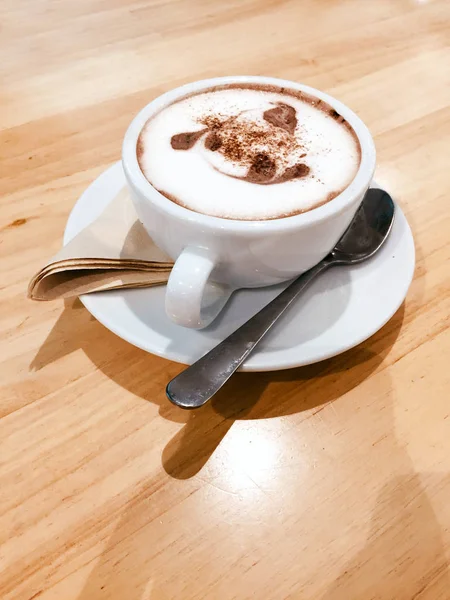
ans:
(258, 455)
(255, 448)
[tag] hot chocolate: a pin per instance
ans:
(249, 152)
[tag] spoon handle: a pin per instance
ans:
(199, 382)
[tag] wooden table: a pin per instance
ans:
(330, 482)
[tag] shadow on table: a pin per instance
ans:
(402, 558)
(404, 555)
(245, 396)
(274, 394)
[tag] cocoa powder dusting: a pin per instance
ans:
(262, 169)
(213, 141)
(295, 172)
(266, 147)
(237, 140)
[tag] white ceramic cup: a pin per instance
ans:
(214, 256)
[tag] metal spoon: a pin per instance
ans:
(198, 383)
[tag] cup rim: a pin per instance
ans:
(141, 185)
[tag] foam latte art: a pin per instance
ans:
(250, 153)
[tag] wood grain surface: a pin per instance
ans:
(330, 482)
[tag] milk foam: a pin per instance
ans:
(217, 182)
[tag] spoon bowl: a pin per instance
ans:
(368, 230)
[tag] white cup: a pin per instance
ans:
(214, 256)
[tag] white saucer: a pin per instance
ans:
(341, 309)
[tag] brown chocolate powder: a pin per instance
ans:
(262, 169)
(213, 141)
(265, 147)
(295, 172)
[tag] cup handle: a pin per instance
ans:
(192, 300)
